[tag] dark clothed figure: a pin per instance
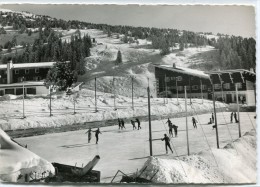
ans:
(170, 130)
(231, 117)
(235, 117)
(175, 128)
(133, 123)
(119, 123)
(167, 143)
(138, 123)
(210, 121)
(97, 132)
(122, 124)
(213, 118)
(89, 134)
(194, 122)
(169, 122)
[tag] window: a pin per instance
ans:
(31, 91)
(37, 70)
(180, 88)
(217, 86)
(27, 71)
(195, 87)
(239, 85)
(187, 87)
(179, 78)
(227, 86)
(204, 87)
(16, 71)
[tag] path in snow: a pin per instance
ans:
(127, 150)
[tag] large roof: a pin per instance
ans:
(28, 65)
(232, 76)
(183, 70)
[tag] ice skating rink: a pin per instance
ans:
(128, 149)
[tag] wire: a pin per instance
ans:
(204, 134)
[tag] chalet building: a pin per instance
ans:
(170, 82)
(30, 75)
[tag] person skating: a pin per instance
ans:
(213, 118)
(194, 122)
(133, 123)
(231, 117)
(175, 128)
(97, 132)
(138, 124)
(170, 130)
(235, 117)
(122, 124)
(119, 123)
(169, 122)
(167, 143)
(89, 134)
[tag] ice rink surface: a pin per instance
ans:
(128, 149)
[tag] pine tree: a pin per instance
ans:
(118, 58)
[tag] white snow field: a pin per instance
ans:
(37, 109)
(128, 149)
(16, 161)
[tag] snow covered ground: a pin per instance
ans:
(37, 109)
(128, 149)
(17, 161)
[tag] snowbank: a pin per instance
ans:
(235, 163)
(17, 161)
(37, 109)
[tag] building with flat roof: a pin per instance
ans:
(29, 75)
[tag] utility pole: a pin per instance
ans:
(114, 93)
(166, 89)
(239, 129)
(201, 91)
(216, 124)
(132, 93)
(96, 94)
(149, 117)
(50, 101)
(177, 90)
(190, 90)
(187, 128)
(23, 99)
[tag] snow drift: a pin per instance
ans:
(235, 163)
(17, 161)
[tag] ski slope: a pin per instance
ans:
(127, 150)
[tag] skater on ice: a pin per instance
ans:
(175, 128)
(212, 118)
(169, 122)
(231, 117)
(235, 117)
(167, 143)
(138, 123)
(122, 124)
(170, 130)
(133, 123)
(119, 123)
(194, 122)
(89, 134)
(97, 132)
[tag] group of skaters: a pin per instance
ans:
(172, 126)
(97, 132)
(121, 124)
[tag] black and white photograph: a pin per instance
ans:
(127, 94)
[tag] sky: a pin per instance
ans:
(232, 20)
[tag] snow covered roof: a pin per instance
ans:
(29, 65)
(183, 70)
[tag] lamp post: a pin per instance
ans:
(23, 98)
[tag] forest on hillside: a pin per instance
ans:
(234, 51)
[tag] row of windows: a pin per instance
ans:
(27, 71)
(194, 87)
(226, 86)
